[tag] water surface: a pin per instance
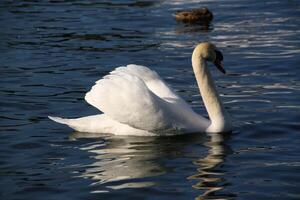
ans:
(53, 51)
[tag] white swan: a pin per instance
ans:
(136, 101)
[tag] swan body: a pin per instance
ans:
(136, 101)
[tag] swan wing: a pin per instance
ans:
(126, 98)
(161, 89)
(153, 81)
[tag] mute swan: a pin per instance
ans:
(136, 101)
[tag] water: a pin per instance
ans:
(53, 51)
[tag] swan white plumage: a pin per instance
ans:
(136, 101)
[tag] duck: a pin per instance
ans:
(194, 16)
(135, 100)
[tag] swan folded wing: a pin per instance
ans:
(140, 71)
(152, 81)
(126, 99)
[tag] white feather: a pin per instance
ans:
(114, 95)
(129, 99)
(100, 124)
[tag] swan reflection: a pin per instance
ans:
(210, 177)
(133, 162)
(121, 158)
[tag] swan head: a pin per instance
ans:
(209, 52)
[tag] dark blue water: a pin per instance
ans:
(52, 52)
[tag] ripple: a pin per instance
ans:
(53, 52)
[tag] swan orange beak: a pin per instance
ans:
(218, 61)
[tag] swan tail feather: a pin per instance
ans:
(72, 123)
(59, 120)
(99, 124)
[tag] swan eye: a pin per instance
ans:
(219, 55)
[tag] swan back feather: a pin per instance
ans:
(126, 99)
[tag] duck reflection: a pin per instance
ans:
(210, 174)
(191, 28)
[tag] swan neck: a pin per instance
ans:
(209, 94)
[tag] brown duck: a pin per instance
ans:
(199, 16)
